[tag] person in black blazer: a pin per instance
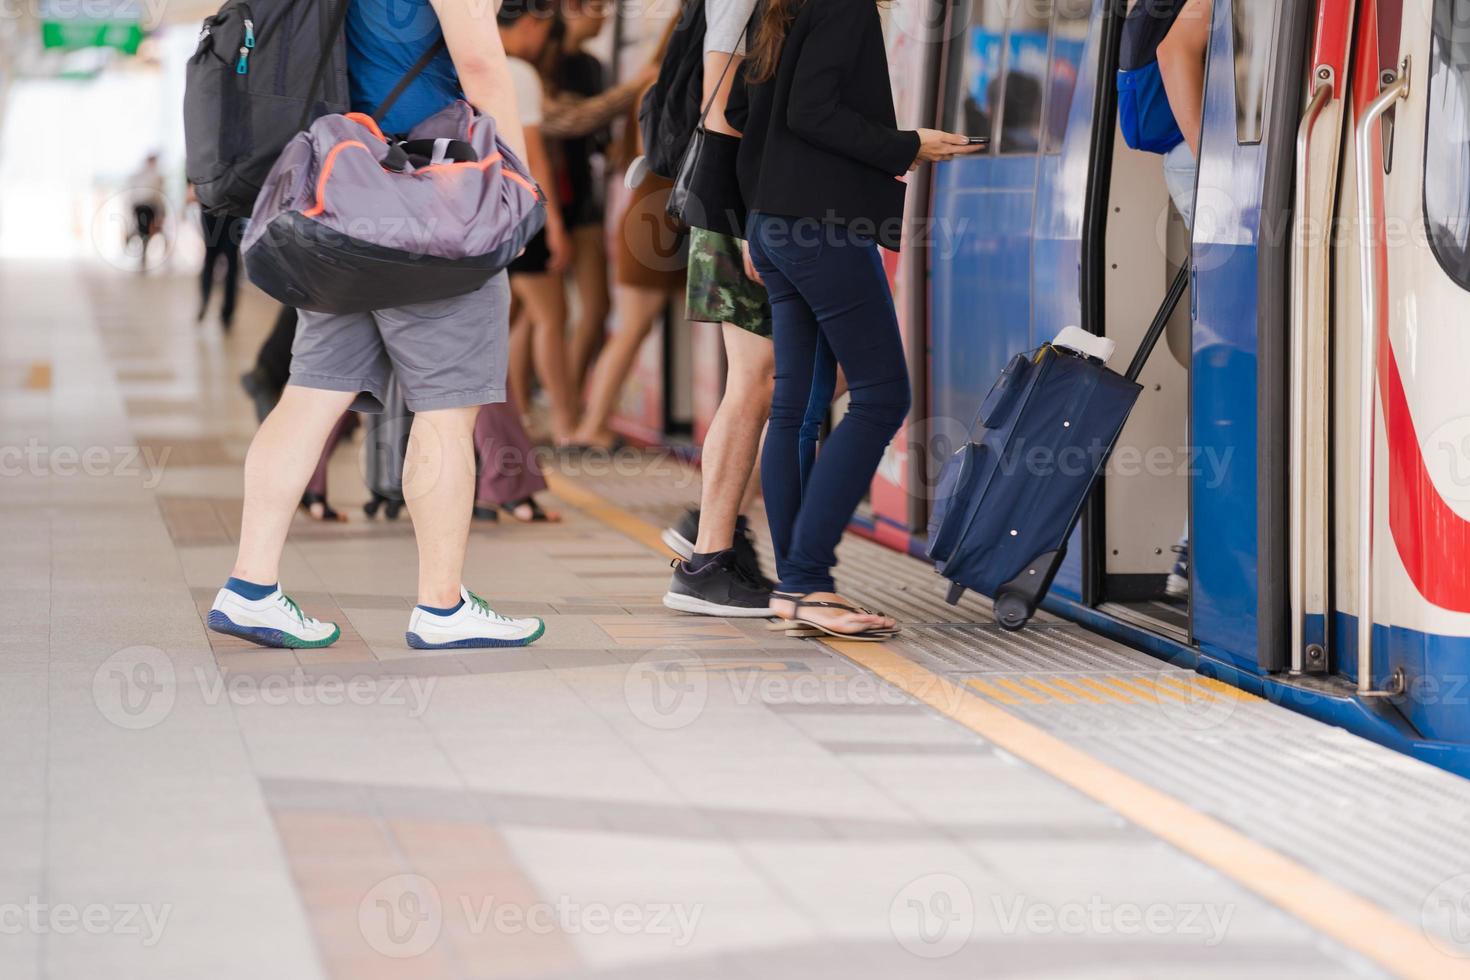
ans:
(821, 166)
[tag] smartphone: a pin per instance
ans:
(977, 140)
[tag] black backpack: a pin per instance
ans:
(263, 70)
(670, 111)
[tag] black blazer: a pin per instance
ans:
(820, 137)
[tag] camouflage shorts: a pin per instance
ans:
(719, 290)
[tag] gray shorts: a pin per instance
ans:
(448, 353)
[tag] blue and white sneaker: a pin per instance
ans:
(1176, 586)
(275, 621)
(473, 624)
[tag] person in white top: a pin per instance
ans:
(536, 277)
(145, 196)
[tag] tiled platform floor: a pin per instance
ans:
(638, 795)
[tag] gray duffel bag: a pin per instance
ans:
(350, 220)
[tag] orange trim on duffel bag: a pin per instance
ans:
(363, 119)
(321, 182)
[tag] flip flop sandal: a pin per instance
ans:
(792, 628)
(538, 516)
(329, 516)
(867, 636)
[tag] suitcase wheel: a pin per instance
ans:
(1012, 612)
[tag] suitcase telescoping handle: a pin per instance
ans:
(1161, 322)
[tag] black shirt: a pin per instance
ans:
(820, 138)
(581, 73)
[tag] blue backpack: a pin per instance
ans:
(1143, 108)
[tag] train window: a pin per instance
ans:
(1447, 140)
(1254, 31)
(1002, 70)
(1069, 34)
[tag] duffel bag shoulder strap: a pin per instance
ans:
(408, 78)
(339, 17)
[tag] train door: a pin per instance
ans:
(1139, 530)
(1401, 298)
(1201, 464)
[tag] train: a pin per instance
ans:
(1305, 436)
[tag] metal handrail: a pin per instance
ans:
(1320, 97)
(1391, 92)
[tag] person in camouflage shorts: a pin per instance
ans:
(719, 291)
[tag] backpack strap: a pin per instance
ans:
(339, 17)
(408, 78)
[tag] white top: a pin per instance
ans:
(724, 20)
(529, 92)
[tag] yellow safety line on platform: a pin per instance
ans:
(1332, 910)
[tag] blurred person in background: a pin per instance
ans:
(222, 233)
(1181, 57)
(649, 268)
(509, 472)
(581, 173)
(148, 205)
(536, 281)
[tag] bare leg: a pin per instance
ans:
(439, 488)
(281, 459)
(546, 302)
(638, 308)
(519, 373)
(730, 447)
(589, 273)
(317, 485)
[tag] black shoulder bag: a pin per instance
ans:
(706, 192)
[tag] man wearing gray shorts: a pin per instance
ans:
(449, 356)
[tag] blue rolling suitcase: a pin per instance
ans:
(1008, 500)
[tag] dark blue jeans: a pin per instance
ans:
(831, 305)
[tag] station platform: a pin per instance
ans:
(639, 794)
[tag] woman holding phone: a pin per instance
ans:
(821, 167)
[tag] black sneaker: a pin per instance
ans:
(718, 588)
(681, 537)
(745, 557)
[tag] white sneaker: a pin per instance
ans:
(473, 624)
(275, 621)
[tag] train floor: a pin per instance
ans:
(640, 794)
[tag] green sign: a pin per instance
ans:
(71, 35)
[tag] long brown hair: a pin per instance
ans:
(770, 38)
